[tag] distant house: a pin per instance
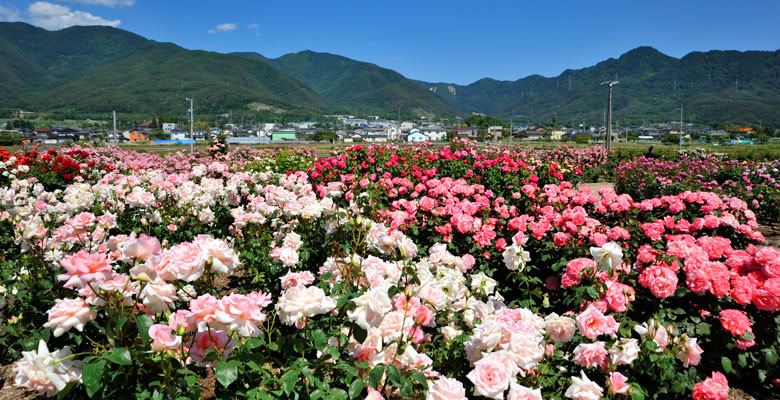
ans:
(179, 134)
(405, 126)
(556, 134)
(434, 133)
(280, 136)
(393, 132)
(466, 132)
(535, 132)
(496, 131)
(167, 127)
(416, 136)
(136, 135)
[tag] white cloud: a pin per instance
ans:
(107, 3)
(9, 14)
(226, 27)
(54, 16)
(253, 26)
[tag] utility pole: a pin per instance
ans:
(681, 126)
(192, 124)
(610, 84)
(113, 136)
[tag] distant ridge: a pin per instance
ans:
(652, 86)
(85, 70)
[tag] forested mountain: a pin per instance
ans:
(99, 69)
(360, 87)
(652, 87)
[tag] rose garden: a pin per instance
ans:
(422, 272)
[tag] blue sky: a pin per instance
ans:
(450, 41)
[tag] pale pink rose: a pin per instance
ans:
(446, 389)
(240, 314)
(203, 312)
(179, 320)
(82, 221)
(222, 257)
(293, 279)
(299, 303)
(188, 261)
(142, 247)
(288, 257)
(163, 338)
(592, 323)
(210, 339)
(172, 227)
(371, 308)
(373, 394)
(617, 384)
(158, 296)
(690, 353)
(560, 329)
(393, 325)
(520, 392)
(582, 388)
(47, 373)
(69, 313)
(490, 379)
(83, 267)
(590, 355)
(624, 352)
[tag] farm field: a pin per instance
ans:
(382, 271)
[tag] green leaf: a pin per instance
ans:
(726, 363)
(226, 372)
(320, 339)
(356, 388)
(359, 333)
(703, 329)
(92, 376)
(394, 374)
(144, 323)
(420, 378)
(119, 355)
(406, 388)
(375, 376)
(770, 355)
(338, 394)
(289, 380)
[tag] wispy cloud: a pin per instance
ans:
(226, 27)
(55, 16)
(9, 14)
(107, 3)
(253, 26)
(396, 58)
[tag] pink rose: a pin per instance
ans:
(617, 384)
(83, 267)
(690, 353)
(210, 339)
(69, 313)
(163, 338)
(592, 323)
(714, 388)
(735, 322)
(490, 379)
(590, 355)
(142, 247)
(447, 389)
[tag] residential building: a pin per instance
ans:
(406, 126)
(496, 132)
(137, 135)
(280, 136)
(434, 133)
(168, 127)
(468, 132)
(416, 136)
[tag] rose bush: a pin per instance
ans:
(381, 272)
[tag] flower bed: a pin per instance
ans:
(382, 273)
(756, 182)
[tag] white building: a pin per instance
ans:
(416, 136)
(435, 133)
(405, 126)
(393, 132)
(167, 127)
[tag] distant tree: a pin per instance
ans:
(695, 136)
(9, 126)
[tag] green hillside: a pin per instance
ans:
(99, 69)
(652, 86)
(359, 86)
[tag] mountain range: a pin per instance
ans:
(94, 70)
